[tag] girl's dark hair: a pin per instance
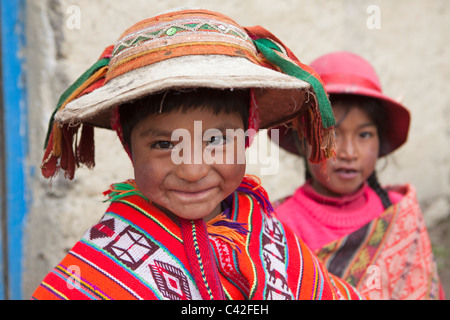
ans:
(382, 193)
(215, 100)
(372, 107)
(377, 113)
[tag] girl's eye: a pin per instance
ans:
(162, 145)
(366, 134)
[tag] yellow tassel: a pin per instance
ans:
(329, 143)
(57, 141)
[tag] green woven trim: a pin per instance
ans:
(267, 47)
(86, 75)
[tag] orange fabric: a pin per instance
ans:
(138, 252)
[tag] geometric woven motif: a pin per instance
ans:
(276, 294)
(103, 229)
(274, 257)
(167, 31)
(131, 247)
(171, 281)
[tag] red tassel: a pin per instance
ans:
(86, 148)
(67, 162)
(310, 124)
(61, 150)
(49, 166)
(320, 139)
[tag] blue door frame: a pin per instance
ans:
(15, 132)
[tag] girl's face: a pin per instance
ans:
(357, 149)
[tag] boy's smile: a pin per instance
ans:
(190, 189)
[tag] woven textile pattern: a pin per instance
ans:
(389, 258)
(137, 252)
(194, 33)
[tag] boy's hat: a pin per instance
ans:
(189, 48)
(345, 73)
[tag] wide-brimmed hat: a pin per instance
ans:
(345, 73)
(188, 48)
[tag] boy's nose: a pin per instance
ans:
(192, 172)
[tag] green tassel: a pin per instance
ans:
(122, 190)
(267, 47)
(86, 75)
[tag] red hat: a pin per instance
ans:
(348, 73)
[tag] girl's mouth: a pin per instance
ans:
(346, 173)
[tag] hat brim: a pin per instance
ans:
(398, 120)
(280, 97)
(398, 117)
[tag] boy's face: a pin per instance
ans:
(357, 148)
(192, 188)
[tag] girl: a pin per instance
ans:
(373, 237)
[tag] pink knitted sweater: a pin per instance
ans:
(320, 219)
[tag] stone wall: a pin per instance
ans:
(406, 40)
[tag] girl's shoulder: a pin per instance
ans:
(398, 192)
(395, 196)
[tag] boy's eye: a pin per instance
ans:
(216, 140)
(162, 145)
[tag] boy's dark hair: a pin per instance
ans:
(376, 112)
(215, 100)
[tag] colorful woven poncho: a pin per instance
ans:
(138, 252)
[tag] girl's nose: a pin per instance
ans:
(346, 149)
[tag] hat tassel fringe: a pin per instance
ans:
(61, 148)
(317, 125)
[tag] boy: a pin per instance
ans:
(183, 85)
